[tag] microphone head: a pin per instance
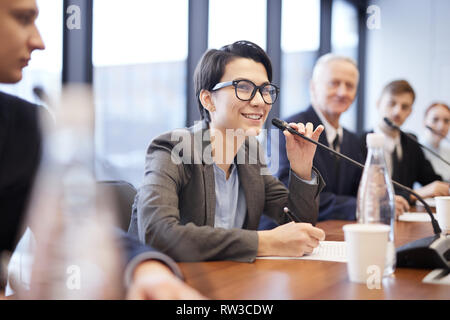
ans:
(432, 130)
(437, 133)
(38, 91)
(390, 123)
(280, 124)
(41, 94)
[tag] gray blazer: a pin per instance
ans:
(174, 209)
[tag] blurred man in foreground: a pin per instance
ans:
(149, 274)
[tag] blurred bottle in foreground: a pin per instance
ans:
(376, 197)
(71, 218)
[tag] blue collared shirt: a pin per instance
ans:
(231, 206)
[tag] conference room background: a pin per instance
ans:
(140, 56)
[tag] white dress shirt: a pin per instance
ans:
(390, 144)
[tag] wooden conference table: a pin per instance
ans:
(309, 279)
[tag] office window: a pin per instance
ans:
(344, 29)
(139, 58)
(344, 40)
(299, 43)
(45, 67)
(234, 20)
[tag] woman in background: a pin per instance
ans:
(437, 124)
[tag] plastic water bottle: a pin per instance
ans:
(376, 197)
(76, 255)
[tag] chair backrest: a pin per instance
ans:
(124, 193)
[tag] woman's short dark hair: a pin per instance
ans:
(211, 67)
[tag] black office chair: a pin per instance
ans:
(124, 193)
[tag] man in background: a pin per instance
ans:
(333, 89)
(405, 159)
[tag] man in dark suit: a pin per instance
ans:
(148, 273)
(406, 161)
(333, 89)
(20, 145)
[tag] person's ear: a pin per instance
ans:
(206, 100)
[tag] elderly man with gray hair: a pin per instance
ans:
(333, 89)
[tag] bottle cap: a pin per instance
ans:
(375, 140)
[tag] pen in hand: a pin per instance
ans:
(290, 214)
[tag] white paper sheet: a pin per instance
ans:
(326, 251)
(415, 217)
(430, 201)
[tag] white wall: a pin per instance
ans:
(413, 43)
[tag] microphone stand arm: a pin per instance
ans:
(284, 126)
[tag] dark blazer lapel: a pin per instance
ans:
(254, 194)
(402, 170)
(345, 147)
(4, 121)
(202, 150)
(253, 185)
(210, 193)
(324, 158)
(319, 160)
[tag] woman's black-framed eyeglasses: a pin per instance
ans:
(245, 90)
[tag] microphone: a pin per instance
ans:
(437, 133)
(41, 94)
(47, 103)
(430, 252)
(283, 125)
(410, 136)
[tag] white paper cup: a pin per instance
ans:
(443, 213)
(366, 250)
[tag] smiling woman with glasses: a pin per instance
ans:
(204, 189)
